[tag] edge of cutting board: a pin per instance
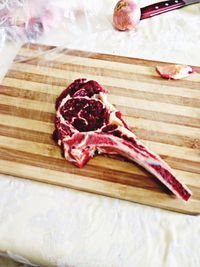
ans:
(93, 185)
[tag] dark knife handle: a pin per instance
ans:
(161, 7)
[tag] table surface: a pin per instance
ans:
(53, 226)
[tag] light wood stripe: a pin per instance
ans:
(69, 61)
(165, 114)
(30, 147)
(133, 177)
(177, 110)
(122, 101)
(153, 106)
(159, 90)
(43, 138)
(189, 178)
(111, 164)
(156, 97)
(24, 113)
(12, 126)
(182, 164)
(25, 123)
(39, 78)
(39, 47)
(141, 87)
(54, 59)
(134, 123)
(159, 116)
(32, 86)
(134, 72)
(149, 115)
(27, 135)
(49, 117)
(108, 57)
(47, 98)
(158, 126)
(27, 103)
(171, 139)
(49, 150)
(97, 75)
(114, 165)
(42, 96)
(174, 151)
(105, 188)
(27, 94)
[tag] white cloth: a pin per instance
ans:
(54, 226)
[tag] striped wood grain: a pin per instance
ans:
(164, 114)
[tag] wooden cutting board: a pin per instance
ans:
(165, 114)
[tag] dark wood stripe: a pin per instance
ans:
(40, 47)
(152, 78)
(39, 78)
(182, 164)
(134, 113)
(115, 90)
(171, 139)
(121, 59)
(159, 116)
(40, 137)
(24, 134)
(50, 98)
(45, 138)
(27, 94)
(87, 54)
(27, 113)
(146, 180)
(157, 97)
(101, 56)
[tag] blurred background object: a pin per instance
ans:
(27, 20)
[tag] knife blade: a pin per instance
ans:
(164, 6)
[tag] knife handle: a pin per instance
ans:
(161, 7)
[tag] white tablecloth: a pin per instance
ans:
(53, 226)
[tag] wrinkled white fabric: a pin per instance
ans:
(54, 226)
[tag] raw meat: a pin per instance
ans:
(86, 123)
(174, 72)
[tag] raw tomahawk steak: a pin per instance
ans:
(86, 123)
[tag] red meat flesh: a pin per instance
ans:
(86, 123)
